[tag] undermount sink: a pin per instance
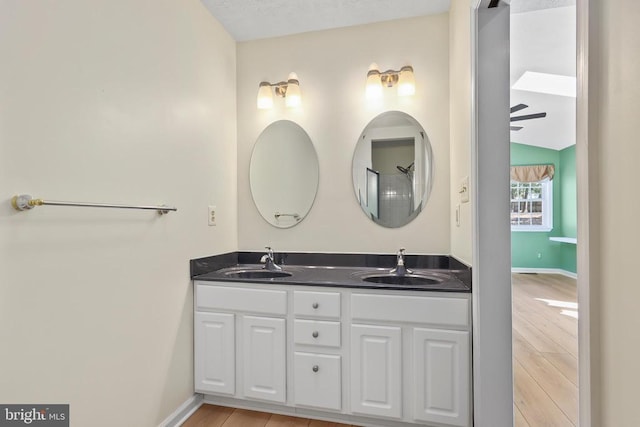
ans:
(407, 279)
(256, 274)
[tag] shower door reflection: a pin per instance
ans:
(394, 160)
(392, 169)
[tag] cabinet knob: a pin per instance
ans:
(315, 305)
(315, 334)
(315, 368)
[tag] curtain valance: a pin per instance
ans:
(532, 173)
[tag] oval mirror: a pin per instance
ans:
(283, 174)
(392, 169)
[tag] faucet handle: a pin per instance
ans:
(400, 268)
(400, 256)
(269, 260)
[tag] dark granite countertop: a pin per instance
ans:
(337, 270)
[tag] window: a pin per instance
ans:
(532, 206)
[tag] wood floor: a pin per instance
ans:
(218, 416)
(545, 350)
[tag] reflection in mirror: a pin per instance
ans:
(283, 174)
(392, 169)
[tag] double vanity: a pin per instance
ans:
(364, 339)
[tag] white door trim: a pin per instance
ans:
(490, 161)
(588, 410)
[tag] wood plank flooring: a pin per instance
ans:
(545, 349)
(219, 416)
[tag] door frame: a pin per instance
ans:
(492, 353)
(491, 252)
(588, 410)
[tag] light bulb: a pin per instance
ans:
(265, 97)
(293, 97)
(374, 83)
(406, 82)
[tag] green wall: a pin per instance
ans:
(569, 206)
(534, 249)
(568, 188)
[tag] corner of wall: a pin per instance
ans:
(460, 128)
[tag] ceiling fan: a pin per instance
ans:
(519, 107)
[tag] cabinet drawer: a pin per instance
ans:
(318, 304)
(241, 299)
(316, 332)
(317, 380)
(449, 312)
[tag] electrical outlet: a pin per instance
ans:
(458, 215)
(539, 255)
(212, 215)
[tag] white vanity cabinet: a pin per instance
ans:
(240, 333)
(387, 358)
(435, 331)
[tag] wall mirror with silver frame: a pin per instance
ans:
(392, 169)
(283, 174)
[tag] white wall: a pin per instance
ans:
(460, 129)
(110, 101)
(332, 67)
(613, 152)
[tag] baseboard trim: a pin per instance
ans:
(545, 271)
(183, 412)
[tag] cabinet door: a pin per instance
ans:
(317, 380)
(264, 363)
(214, 348)
(376, 370)
(442, 376)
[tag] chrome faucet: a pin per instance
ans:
(400, 269)
(268, 260)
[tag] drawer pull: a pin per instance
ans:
(315, 334)
(315, 305)
(315, 368)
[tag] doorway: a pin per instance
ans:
(490, 164)
(543, 211)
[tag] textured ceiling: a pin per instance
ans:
(259, 19)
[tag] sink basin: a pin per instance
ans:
(256, 274)
(406, 280)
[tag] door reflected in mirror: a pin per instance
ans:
(283, 174)
(392, 169)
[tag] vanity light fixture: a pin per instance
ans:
(289, 90)
(403, 79)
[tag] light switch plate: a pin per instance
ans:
(464, 190)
